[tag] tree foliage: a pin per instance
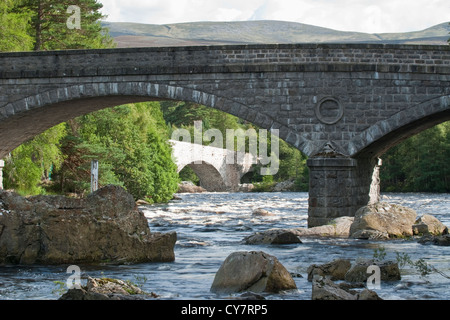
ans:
(130, 143)
(13, 28)
(419, 164)
(34, 161)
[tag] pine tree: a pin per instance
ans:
(50, 30)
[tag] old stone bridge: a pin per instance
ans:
(210, 164)
(343, 105)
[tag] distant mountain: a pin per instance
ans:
(253, 32)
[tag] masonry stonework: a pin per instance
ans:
(354, 101)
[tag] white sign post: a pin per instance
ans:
(94, 175)
(2, 165)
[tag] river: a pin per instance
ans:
(210, 226)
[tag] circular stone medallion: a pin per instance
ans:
(329, 111)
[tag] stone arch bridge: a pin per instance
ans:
(210, 164)
(342, 105)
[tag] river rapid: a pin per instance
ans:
(210, 226)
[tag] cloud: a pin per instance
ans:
(346, 15)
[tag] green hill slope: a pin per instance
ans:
(250, 32)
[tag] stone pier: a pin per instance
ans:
(340, 186)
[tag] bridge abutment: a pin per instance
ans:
(340, 186)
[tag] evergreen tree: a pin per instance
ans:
(50, 29)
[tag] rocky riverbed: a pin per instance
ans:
(212, 226)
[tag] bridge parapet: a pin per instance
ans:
(238, 58)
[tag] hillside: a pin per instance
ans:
(251, 32)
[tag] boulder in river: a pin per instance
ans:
(428, 224)
(274, 236)
(325, 289)
(358, 272)
(383, 220)
(189, 187)
(253, 271)
(107, 289)
(104, 227)
(335, 270)
(338, 227)
(442, 240)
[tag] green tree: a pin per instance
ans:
(49, 24)
(34, 161)
(13, 28)
(419, 164)
(130, 143)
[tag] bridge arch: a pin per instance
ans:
(385, 134)
(210, 177)
(62, 104)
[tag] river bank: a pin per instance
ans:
(210, 226)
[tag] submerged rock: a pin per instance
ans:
(262, 213)
(106, 226)
(252, 271)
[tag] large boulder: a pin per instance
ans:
(383, 221)
(252, 271)
(106, 227)
(428, 224)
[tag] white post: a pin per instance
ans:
(2, 165)
(94, 175)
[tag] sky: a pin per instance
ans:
(370, 16)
